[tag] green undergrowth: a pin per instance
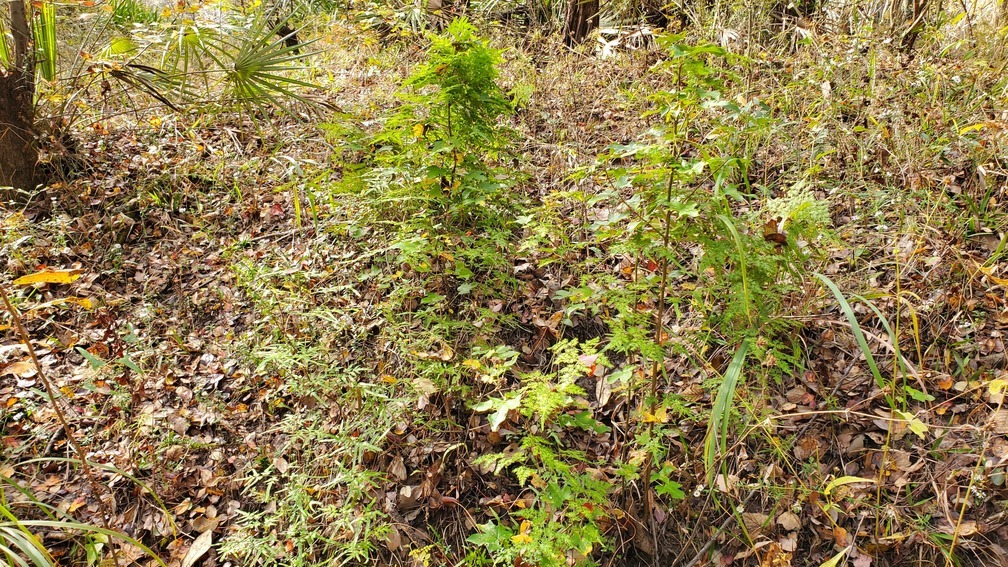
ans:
(565, 358)
(426, 335)
(747, 308)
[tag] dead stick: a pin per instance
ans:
(95, 485)
(699, 555)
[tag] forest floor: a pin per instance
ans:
(247, 354)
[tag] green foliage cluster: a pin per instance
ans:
(570, 503)
(434, 185)
(435, 188)
(435, 154)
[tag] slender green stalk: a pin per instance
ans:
(44, 32)
(715, 443)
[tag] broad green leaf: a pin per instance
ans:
(93, 360)
(500, 415)
(918, 427)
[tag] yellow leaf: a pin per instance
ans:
(659, 416)
(82, 301)
(989, 272)
(918, 427)
(76, 505)
(844, 480)
(472, 364)
(972, 127)
(836, 559)
(522, 536)
(997, 386)
(49, 276)
(520, 539)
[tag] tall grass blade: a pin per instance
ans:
(730, 225)
(855, 328)
(14, 534)
(8, 553)
(715, 443)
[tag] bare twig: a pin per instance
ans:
(50, 392)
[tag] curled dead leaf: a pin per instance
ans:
(398, 469)
(21, 369)
(755, 522)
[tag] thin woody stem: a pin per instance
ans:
(50, 392)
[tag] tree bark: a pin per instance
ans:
(582, 18)
(18, 149)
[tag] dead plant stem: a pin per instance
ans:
(50, 392)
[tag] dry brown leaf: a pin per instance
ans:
(203, 524)
(840, 535)
(393, 540)
(999, 422)
(754, 522)
(198, 548)
(281, 465)
(963, 529)
(21, 369)
(398, 469)
(789, 521)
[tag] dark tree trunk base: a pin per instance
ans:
(582, 18)
(18, 151)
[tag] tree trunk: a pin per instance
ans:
(919, 10)
(18, 149)
(582, 18)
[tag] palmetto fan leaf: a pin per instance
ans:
(150, 80)
(188, 45)
(257, 64)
